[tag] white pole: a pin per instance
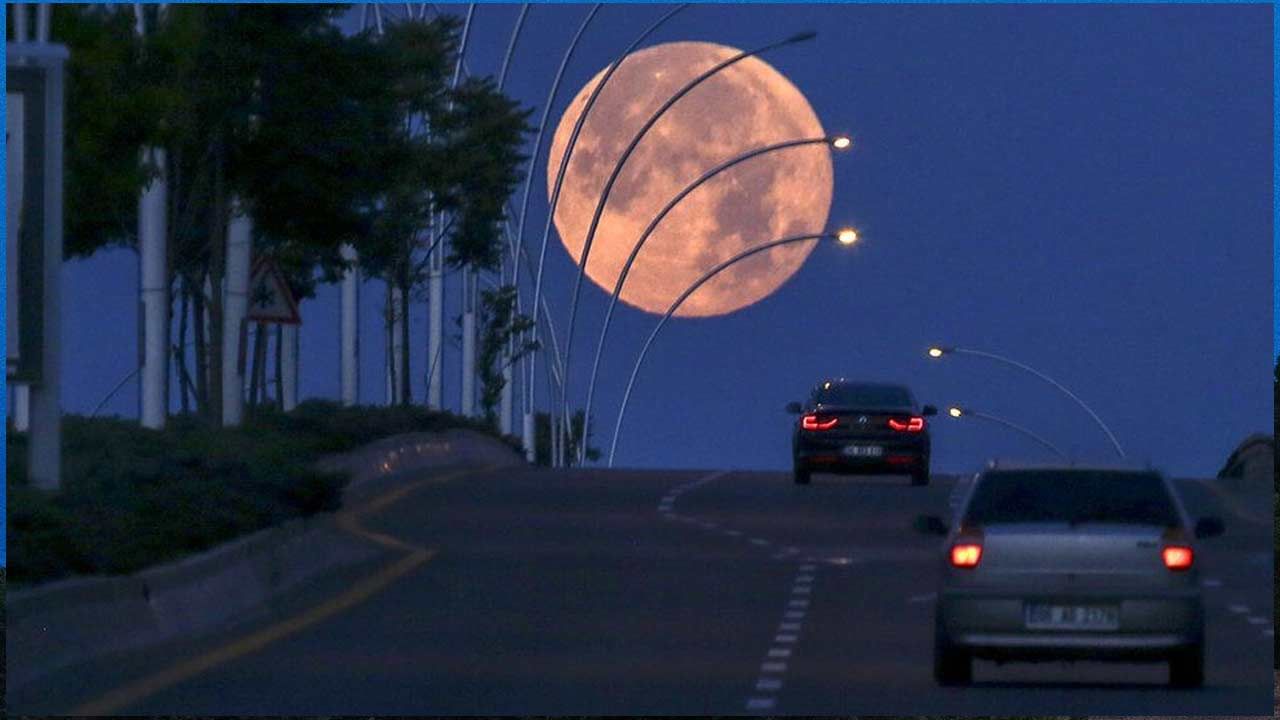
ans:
(21, 407)
(435, 330)
(350, 362)
(529, 440)
(45, 458)
(21, 25)
(469, 283)
(289, 367)
(235, 308)
(154, 273)
(44, 20)
(152, 231)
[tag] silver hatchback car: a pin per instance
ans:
(1068, 563)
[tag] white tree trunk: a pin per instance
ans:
(235, 308)
(350, 361)
(395, 346)
(152, 235)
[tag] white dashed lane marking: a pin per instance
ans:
(1238, 609)
(785, 640)
(771, 684)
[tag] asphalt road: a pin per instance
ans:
(622, 592)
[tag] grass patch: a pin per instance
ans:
(132, 497)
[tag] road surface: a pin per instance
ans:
(596, 592)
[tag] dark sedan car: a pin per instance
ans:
(861, 428)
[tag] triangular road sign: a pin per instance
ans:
(270, 300)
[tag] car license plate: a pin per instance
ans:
(1043, 616)
(863, 451)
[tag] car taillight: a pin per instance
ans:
(815, 422)
(915, 424)
(1177, 557)
(966, 555)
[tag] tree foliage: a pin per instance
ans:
(323, 139)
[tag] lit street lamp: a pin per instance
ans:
(847, 237)
(956, 411)
(938, 351)
(749, 252)
(617, 170)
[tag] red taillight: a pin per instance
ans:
(966, 555)
(915, 424)
(814, 422)
(1177, 557)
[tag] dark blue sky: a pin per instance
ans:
(1085, 188)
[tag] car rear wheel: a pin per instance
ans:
(951, 665)
(1186, 667)
(800, 474)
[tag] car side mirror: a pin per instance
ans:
(929, 410)
(793, 408)
(930, 525)
(1209, 527)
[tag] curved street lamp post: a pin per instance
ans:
(939, 351)
(531, 361)
(846, 236)
(839, 142)
(617, 170)
(957, 411)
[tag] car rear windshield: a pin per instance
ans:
(871, 396)
(1071, 497)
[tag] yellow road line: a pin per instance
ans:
(349, 521)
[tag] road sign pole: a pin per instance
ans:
(289, 367)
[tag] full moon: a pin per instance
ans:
(743, 107)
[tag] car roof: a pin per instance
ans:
(861, 383)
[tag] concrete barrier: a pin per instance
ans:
(1246, 482)
(1251, 466)
(60, 624)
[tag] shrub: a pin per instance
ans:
(133, 497)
